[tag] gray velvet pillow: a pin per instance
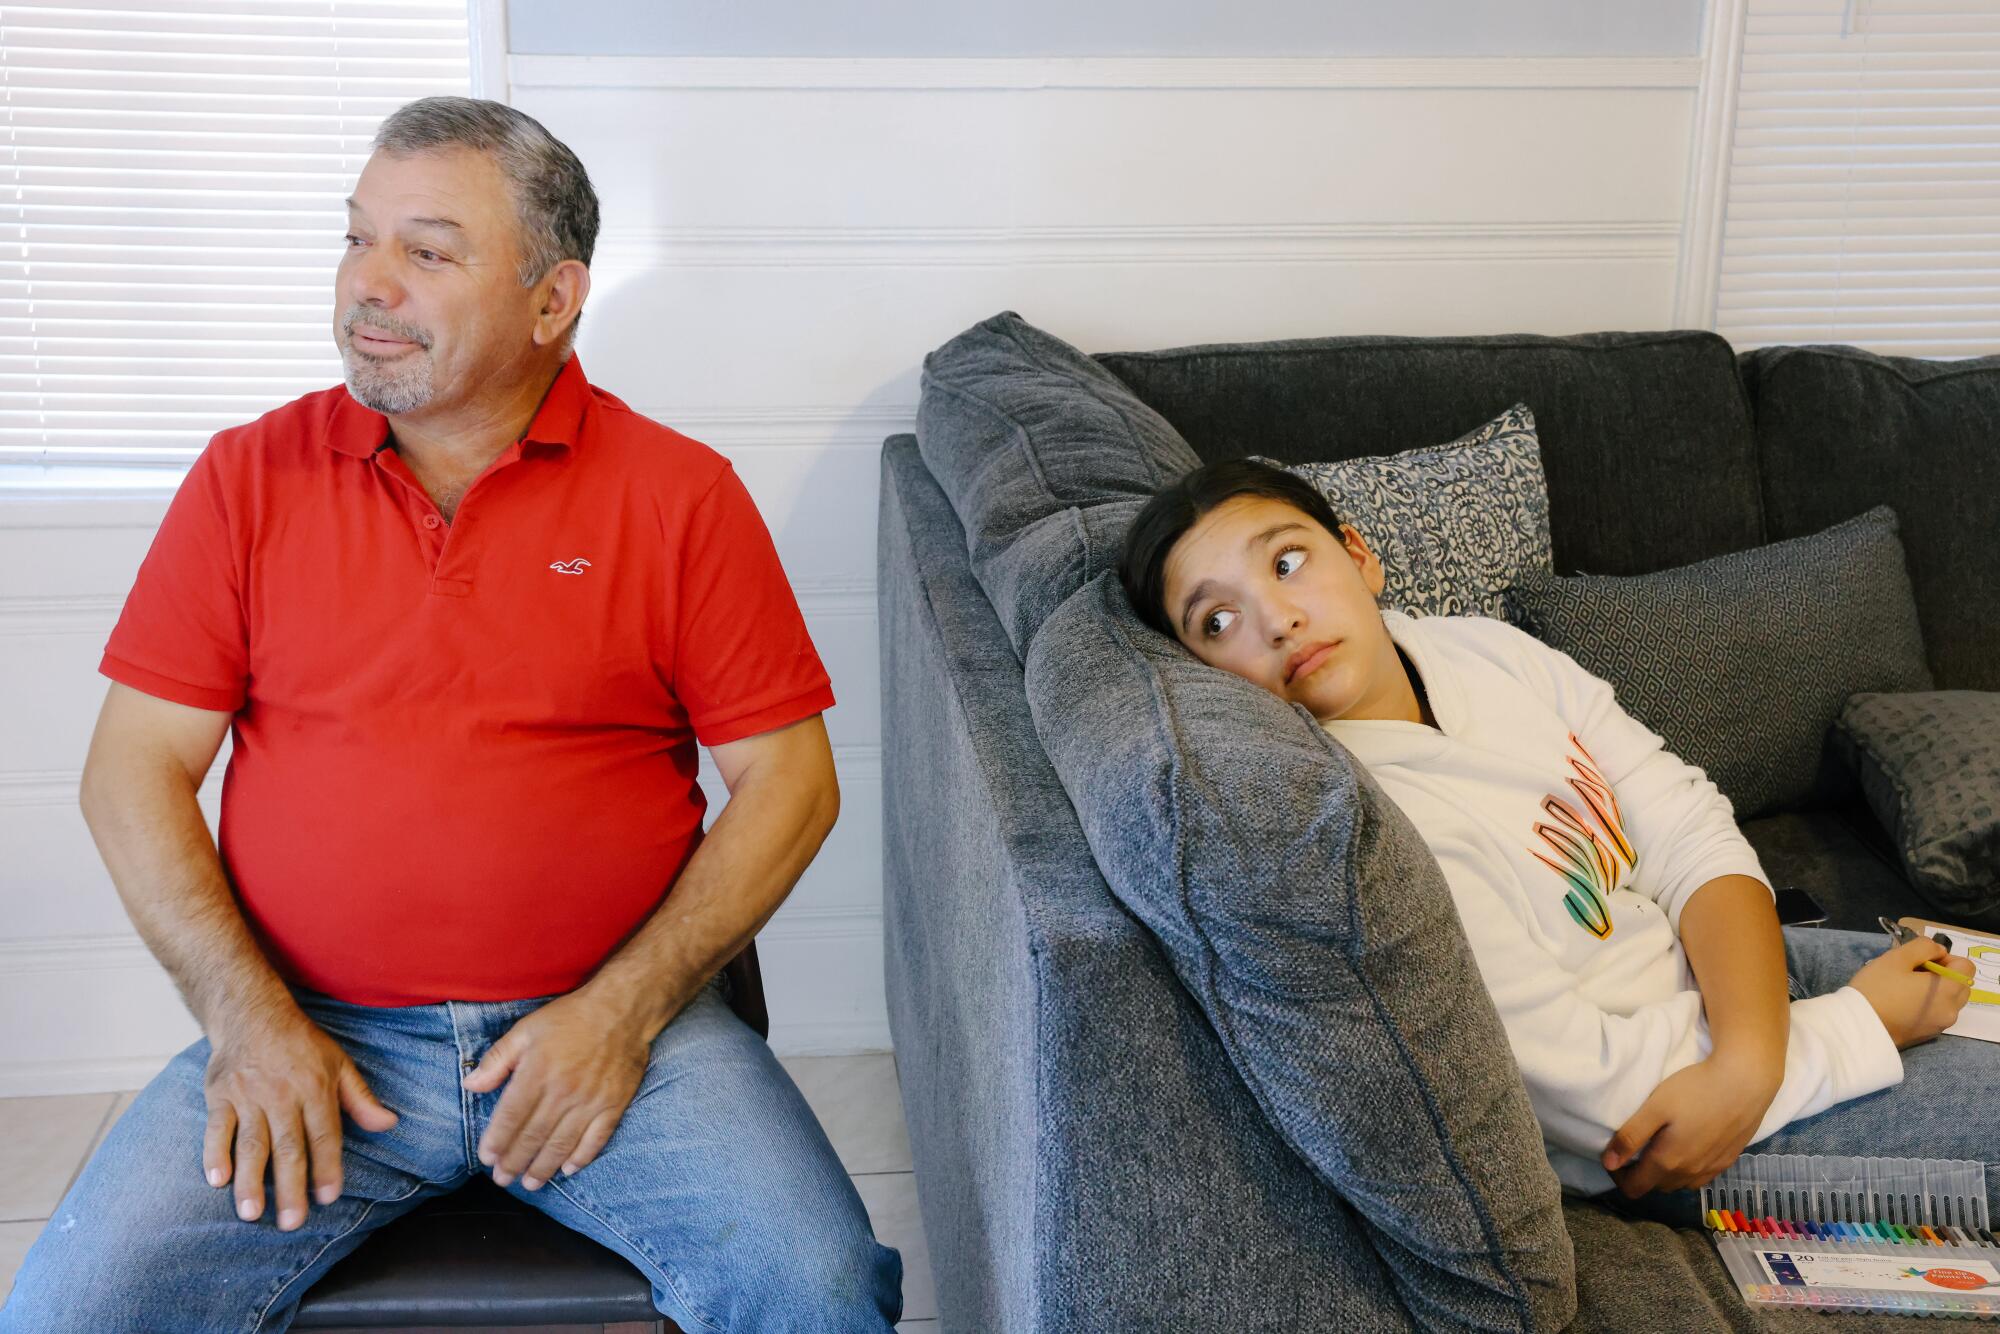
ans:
(1305, 915)
(1045, 455)
(1929, 764)
(1742, 663)
(1456, 524)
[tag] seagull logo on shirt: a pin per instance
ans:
(577, 566)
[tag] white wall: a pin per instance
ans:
(784, 239)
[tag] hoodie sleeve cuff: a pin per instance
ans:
(1862, 1057)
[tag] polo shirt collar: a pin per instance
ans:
(362, 431)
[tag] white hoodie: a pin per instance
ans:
(1571, 840)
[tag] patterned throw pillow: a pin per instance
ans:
(1929, 764)
(1454, 524)
(1743, 663)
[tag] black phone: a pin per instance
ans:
(1798, 908)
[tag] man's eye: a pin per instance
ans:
(1289, 560)
(1216, 622)
(428, 256)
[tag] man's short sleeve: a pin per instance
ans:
(743, 662)
(182, 636)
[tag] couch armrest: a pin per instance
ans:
(1087, 1159)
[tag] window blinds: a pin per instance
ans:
(171, 178)
(1864, 181)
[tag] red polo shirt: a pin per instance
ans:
(464, 760)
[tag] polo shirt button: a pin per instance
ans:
(430, 521)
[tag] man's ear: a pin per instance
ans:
(1364, 559)
(563, 290)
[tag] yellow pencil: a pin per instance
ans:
(1951, 973)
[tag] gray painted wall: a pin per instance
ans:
(1106, 27)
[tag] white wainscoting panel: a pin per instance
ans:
(783, 241)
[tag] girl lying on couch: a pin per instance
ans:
(1621, 922)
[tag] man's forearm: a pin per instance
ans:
(759, 846)
(1730, 931)
(150, 831)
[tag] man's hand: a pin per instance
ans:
(1914, 1003)
(1691, 1127)
(275, 1089)
(570, 1069)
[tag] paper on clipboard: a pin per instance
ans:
(1981, 1016)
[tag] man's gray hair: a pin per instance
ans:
(553, 197)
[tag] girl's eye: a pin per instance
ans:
(351, 240)
(1216, 622)
(1289, 561)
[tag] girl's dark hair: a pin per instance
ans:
(1166, 518)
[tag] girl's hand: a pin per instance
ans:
(1691, 1127)
(1914, 1003)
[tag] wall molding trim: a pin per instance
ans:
(978, 74)
(632, 249)
(124, 950)
(97, 613)
(58, 787)
(1698, 273)
(73, 614)
(41, 1079)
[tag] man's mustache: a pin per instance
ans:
(387, 323)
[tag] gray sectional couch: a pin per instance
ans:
(1069, 1185)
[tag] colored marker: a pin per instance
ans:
(1714, 1221)
(1934, 1238)
(1742, 1223)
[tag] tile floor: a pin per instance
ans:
(45, 1141)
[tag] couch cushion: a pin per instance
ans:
(1625, 420)
(1454, 525)
(1312, 926)
(1840, 857)
(1840, 430)
(1646, 1276)
(1930, 765)
(1743, 662)
(1044, 455)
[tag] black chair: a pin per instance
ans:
(479, 1259)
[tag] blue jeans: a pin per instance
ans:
(719, 1185)
(1948, 1105)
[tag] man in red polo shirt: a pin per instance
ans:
(466, 619)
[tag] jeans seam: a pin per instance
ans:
(332, 1241)
(667, 1280)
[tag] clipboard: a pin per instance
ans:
(1981, 1016)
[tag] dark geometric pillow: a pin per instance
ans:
(1742, 663)
(1929, 764)
(1455, 524)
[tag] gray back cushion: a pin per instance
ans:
(1840, 430)
(1045, 455)
(1305, 915)
(1742, 663)
(1625, 419)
